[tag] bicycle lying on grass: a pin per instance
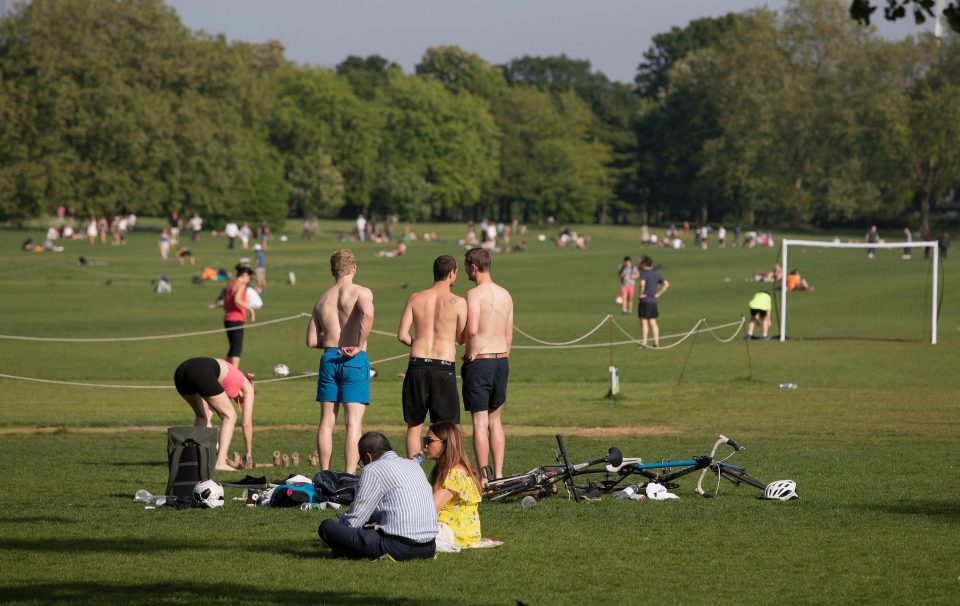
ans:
(617, 471)
(542, 481)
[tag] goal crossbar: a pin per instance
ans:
(932, 245)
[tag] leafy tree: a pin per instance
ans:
(366, 75)
(450, 140)
(460, 70)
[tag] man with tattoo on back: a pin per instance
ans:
(488, 338)
(438, 318)
(340, 324)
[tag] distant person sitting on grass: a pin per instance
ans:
(796, 282)
(760, 306)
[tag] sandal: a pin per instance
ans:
(276, 458)
(295, 457)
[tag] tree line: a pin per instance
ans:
(802, 117)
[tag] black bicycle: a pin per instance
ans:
(665, 473)
(542, 481)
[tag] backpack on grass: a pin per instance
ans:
(191, 453)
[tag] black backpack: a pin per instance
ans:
(191, 453)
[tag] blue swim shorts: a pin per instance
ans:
(342, 378)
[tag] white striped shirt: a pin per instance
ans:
(397, 491)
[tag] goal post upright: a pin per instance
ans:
(933, 315)
(783, 289)
(935, 264)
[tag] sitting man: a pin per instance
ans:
(396, 493)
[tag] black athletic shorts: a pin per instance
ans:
(761, 313)
(430, 385)
(648, 310)
(198, 375)
(235, 338)
(485, 384)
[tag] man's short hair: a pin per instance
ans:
(341, 262)
(374, 443)
(646, 261)
(442, 266)
(480, 257)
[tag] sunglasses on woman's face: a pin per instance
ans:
(427, 440)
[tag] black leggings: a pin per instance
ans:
(235, 338)
(198, 375)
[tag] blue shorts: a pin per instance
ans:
(342, 378)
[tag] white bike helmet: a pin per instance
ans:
(781, 490)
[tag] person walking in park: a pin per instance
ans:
(628, 281)
(486, 369)
(438, 318)
(652, 287)
(872, 237)
(208, 385)
(340, 324)
(235, 310)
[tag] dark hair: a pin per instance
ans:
(627, 258)
(442, 266)
(244, 269)
(646, 261)
(480, 257)
(373, 443)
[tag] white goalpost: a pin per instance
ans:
(883, 290)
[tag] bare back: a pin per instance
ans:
(340, 315)
(489, 319)
(438, 318)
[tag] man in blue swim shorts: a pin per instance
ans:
(340, 324)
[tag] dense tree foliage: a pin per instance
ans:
(798, 117)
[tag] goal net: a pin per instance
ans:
(884, 291)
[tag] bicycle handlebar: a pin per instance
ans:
(735, 445)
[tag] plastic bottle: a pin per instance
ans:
(528, 502)
(143, 496)
(788, 386)
(309, 506)
(418, 457)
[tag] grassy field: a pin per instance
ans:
(871, 436)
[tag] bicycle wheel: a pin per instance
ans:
(510, 486)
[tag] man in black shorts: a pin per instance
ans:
(652, 287)
(438, 318)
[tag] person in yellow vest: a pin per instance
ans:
(760, 306)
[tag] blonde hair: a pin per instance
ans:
(341, 262)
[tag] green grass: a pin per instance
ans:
(870, 436)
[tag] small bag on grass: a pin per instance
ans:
(191, 453)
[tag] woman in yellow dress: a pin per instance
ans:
(456, 492)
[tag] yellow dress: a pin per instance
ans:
(460, 513)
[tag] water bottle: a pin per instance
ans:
(527, 502)
(788, 386)
(418, 457)
(143, 496)
(309, 506)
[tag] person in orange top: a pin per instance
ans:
(795, 282)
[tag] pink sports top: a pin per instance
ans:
(233, 382)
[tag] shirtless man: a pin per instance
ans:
(438, 317)
(487, 340)
(340, 324)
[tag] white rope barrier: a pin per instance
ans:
(571, 342)
(151, 337)
(115, 386)
(743, 321)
